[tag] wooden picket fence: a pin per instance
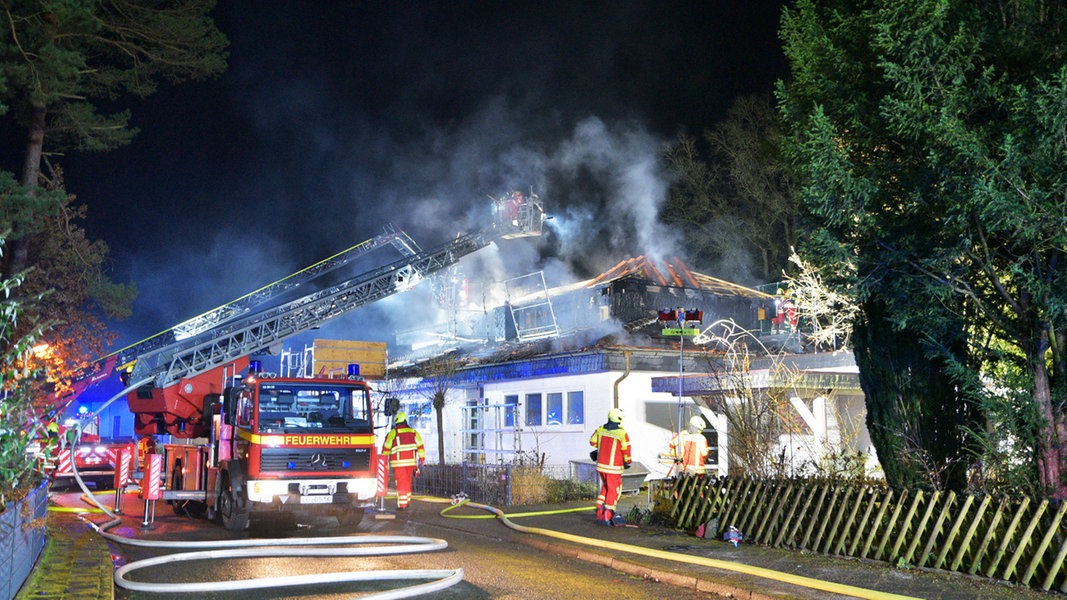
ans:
(1015, 539)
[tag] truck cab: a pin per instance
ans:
(295, 445)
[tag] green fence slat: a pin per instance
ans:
(965, 543)
(778, 523)
(847, 533)
(920, 529)
(836, 532)
(905, 526)
(865, 520)
(1024, 541)
(824, 488)
(950, 537)
(793, 520)
(751, 507)
(989, 536)
(734, 494)
(710, 503)
(891, 526)
(935, 531)
(1008, 535)
(745, 506)
(674, 494)
(689, 500)
(825, 522)
(809, 492)
(1057, 566)
(694, 486)
(779, 495)
(1043, 545)
(877, 524)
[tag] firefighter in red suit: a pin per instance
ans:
(403, 446)
(612, 445)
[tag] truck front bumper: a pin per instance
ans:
(312, 492)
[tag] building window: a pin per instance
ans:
(555, 408)
(575, 408)
(533, 410)
(512, 401)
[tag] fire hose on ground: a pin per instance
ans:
(808, 582)
(339, 546)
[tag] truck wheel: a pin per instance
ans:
(350, 517)
(176, 484)
(232, 507)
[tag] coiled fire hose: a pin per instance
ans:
(376, 545)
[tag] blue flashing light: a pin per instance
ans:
(353, 369)
(83, 410)
(290, 465)
(345, 464)
(255, 366)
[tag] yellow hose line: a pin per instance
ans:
(75, 510)
(511, 515)
(808, 582)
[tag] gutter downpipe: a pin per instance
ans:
(625, 374)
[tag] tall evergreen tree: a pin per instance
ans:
(62, 61)
(930, 135)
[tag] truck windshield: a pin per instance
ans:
(290, 407)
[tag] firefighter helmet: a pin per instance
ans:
(615, 415)
(400, 417)
(696, 424)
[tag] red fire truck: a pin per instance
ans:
(295, 445)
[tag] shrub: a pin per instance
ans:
(20, 425)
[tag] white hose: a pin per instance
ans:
(339, 546)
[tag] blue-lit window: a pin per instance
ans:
(555, 408)
(533, 410)
(512, 401)
(575, 408)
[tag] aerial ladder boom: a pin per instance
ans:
(235, 308)
(239, 338)
(240, 306)
(120, 360)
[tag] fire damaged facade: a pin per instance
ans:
(556, 360)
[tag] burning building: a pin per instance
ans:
(555, 360)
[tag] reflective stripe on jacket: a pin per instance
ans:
(613, 448)
(404, 447)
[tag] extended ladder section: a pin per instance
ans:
(530, 307)
(243, 305)
(228, 341)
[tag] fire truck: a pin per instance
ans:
(241, 441)
(95, 458)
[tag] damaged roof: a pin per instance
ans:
(670, 272)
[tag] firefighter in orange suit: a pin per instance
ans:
(612, 445)
(403, 446)
(690, 448)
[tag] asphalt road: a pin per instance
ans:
(494, 565)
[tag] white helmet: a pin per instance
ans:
(696, 424)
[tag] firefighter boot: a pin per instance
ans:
(601, 515)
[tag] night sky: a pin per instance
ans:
(336, 118)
